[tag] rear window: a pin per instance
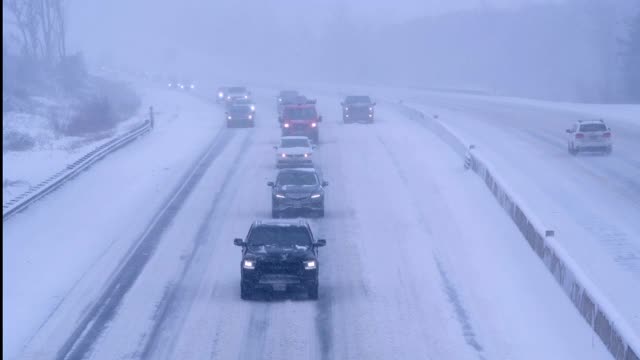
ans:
(237, 90)
(593, 127)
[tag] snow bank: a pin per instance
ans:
(604, 319)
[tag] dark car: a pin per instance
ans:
(297, 191)
(248, 102)
(357, 108)
(236, 92)
(286, 97)
(279, 256)
(240, 115)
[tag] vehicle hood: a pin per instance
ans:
(296, 150)
(359, 105)
(299, 189)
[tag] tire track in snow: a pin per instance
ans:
(91, 326)
(194, 265)
(448, 286)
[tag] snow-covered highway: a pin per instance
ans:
(421, 262)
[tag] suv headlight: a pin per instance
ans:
(249, 264)
(253, 108)
(280, 196)
(310, 265)
(229, 117)
(220, 95)
(316, 196)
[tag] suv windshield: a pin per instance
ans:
(280, 236)
(237, 90)
(297, 178)
(593, 127)
(300, 113)
(289, 143)
(357, 99)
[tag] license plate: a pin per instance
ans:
(279, 287)
(594, 137)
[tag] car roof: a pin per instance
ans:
(294, 138)
(596, 121)
(281, 222)
(307, 170)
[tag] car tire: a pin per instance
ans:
(245, 292)
(572, 150)
(275, 214)
(321, 213)
(316, 138)
(312, 291)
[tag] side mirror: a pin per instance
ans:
(279, 119)
(342, 104)
(238, 242)
(320, 118)
(313, 147)
(325, 183)
(275, 147)
(271, 184)
(373, 104)
(568, 131)
(321, 242)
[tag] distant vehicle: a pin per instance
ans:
(296, 151)
(186, 85)
(222, 93)
(240, 115)
(279, 256)
(242, 101)
(173, 83)
(286, 97)
(297, 191)
(589, 135)
(301, 119)
(357, 108)
(237, 92)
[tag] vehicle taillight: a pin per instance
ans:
(286, 125)
(579, 136)
(313, 124)
(606, 135)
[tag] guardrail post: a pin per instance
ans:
(151, 118)
(467, 157)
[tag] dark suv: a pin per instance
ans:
(357, 108)
(297, 190)
(279, 256)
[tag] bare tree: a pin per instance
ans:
(42, 25)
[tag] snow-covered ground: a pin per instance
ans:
(58, 254)
(51, 152)
(421, 262)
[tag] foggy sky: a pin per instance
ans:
(561, 49)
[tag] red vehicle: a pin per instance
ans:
(301, 119)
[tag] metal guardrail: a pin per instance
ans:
(37, 192)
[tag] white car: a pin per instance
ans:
(294, 151)
(589, 135)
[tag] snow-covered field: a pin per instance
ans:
(421, 262)
(51, 152)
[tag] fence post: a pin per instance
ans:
(151, 118)
(467, 157)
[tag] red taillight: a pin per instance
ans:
(314, 124)
(606, 135)
(579, 136)
(286, 125)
